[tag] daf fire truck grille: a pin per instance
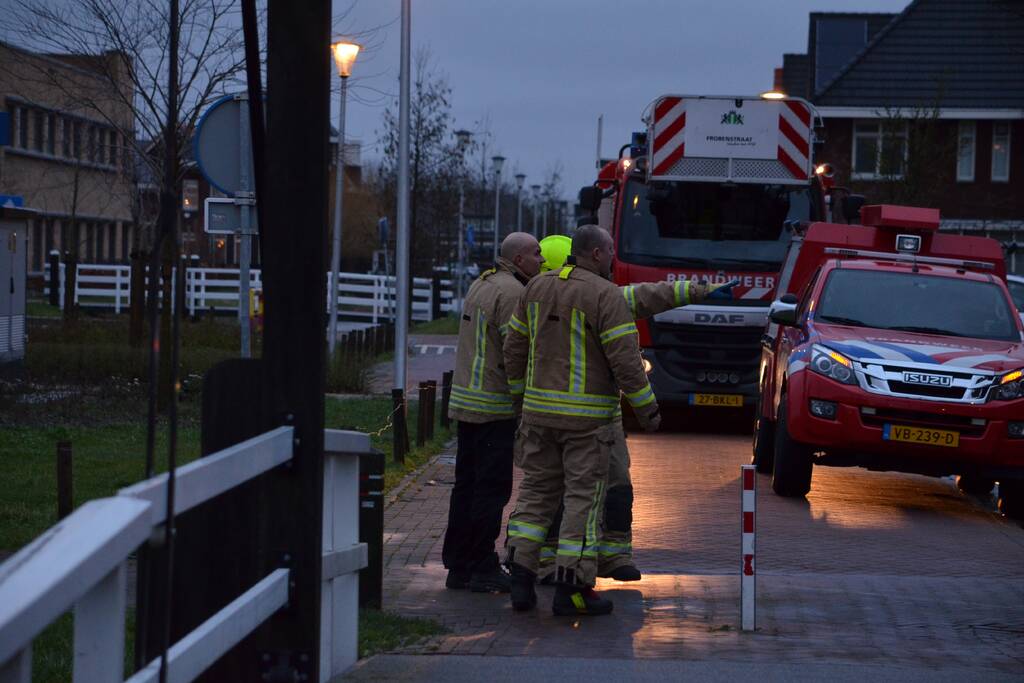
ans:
(685, 351)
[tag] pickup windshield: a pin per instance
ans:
(710, 225)
(912, 302)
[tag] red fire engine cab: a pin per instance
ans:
(894, 347)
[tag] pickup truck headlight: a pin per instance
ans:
(832, 364)
(1008, 387)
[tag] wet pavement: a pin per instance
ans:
(898, 572)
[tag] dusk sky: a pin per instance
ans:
(542, 71)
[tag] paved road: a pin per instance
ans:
(430, 356)
(873, 569)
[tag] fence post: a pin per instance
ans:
(137, 298)
(55, 278)
(431, 408)
(371, 527)
(179, 284)
(117, 290)
(446, 395)
(399, 431)
(64, 480)
(421, 414)
(435, 297)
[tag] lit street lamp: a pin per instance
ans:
(536, 200)
(498, 161)
(344, 57)
(520, 179)
(463, 138)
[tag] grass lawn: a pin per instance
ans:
(39, 308)
(106, 425)
(446, 325)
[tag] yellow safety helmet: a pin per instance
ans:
(555, 250)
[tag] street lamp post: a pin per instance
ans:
(344, 57)
(498, 161)
(536, 200)
(520, 179)
(463, 137)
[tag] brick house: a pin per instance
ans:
(67, 154)
(924, 107)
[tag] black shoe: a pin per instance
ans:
(493, 580)
(579, 600)
(626, 572)
(547, 580)
(524, 595)
(457, 580)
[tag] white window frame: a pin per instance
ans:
(877, 174)
(966, 131)
(1004, 177)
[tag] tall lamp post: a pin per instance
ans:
(536, 199)
(344, 54)
(498, 161)
(520, 179)
(463, 138)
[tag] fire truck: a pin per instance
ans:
(712, 191)
(894, 347)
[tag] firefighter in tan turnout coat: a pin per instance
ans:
(571, 349)
(481, 404)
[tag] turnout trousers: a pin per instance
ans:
(483, 486)
(568, 468)
(615, 548)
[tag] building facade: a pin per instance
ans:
(69, 157)
(924, 107)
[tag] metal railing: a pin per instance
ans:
(81, 564)
(361, 296)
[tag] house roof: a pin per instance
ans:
(946, 53)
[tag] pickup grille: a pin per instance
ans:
(926, 390)
(883, 416)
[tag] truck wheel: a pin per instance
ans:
(764, 444)
(1011, 498)
(975, 486)
(791, 471)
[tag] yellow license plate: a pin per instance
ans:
(717, 400)
(922, 435)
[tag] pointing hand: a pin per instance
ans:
(722, 292)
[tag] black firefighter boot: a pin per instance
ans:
(489, 577)
(524, 595)
(572, 598)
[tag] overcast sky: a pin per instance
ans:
(543, 70)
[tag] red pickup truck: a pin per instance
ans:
(894, 347)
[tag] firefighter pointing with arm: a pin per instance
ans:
(615, 551)
(571, 350)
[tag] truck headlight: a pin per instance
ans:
(832, 364)
(1008, 387)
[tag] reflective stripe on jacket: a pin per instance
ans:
(480, 389)
(572, 345)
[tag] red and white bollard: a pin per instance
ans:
(748, 508)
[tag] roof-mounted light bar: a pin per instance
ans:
(910, 258)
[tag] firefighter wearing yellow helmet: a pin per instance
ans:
(615, 550)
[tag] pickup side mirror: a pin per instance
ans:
(590, 198)
(783, 311)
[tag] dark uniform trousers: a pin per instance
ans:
(483, 486)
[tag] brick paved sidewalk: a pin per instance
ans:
(870, 577)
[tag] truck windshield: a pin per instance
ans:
(710, 225)
(911, 302)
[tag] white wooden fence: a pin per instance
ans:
(369, 298)
(80, 563)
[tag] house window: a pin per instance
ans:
(39, 124)
(112, 148)
(51, 134)
(22, 127)
(965, 151)
(76, 139)
(65, 137)
(879, 149)
(92, 143)
(1001, 151)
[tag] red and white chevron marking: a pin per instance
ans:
(669, 131)
(794, 138)
(747, 575)
(669, 136)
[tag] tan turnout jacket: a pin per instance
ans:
(571, 347)
(479, 385)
